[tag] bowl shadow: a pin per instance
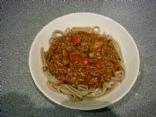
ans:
(20, 105)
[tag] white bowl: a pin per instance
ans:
(125, 40)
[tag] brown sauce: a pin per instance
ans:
(82, 58)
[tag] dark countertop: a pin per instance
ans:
(21, 20)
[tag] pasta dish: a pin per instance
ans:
(82, 63)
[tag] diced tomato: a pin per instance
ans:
(75, 57)
(76, 39)
(84, 61)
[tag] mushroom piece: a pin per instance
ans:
(94, 48)
(92, 54)
(97, 44)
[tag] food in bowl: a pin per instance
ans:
(82, 63)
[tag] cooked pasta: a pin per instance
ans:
(82, 63)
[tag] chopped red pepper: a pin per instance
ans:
(75, 57)
(84, 61)
(75, 39)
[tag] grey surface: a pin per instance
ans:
(21, 20)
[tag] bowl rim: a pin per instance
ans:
(77, 108)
